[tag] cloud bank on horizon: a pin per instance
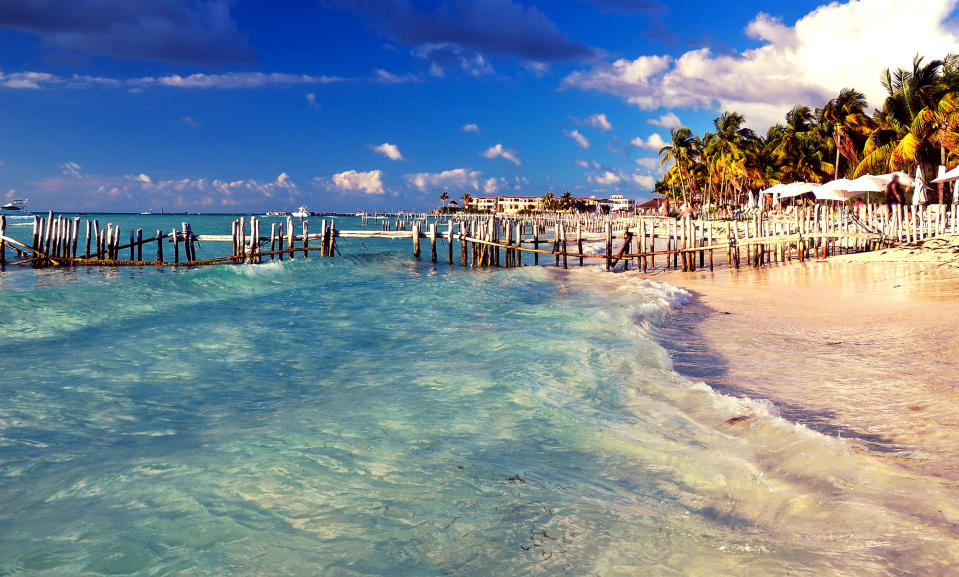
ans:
(555, 82)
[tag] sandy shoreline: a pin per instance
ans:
(866, 351)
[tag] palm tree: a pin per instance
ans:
(549, 203)
(847, 123)
(466, 199)
(444, 197)
(725, 149)
(683, 151)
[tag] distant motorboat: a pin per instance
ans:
(277, 213)
(301, 212)
(16, 206)
(147, 212)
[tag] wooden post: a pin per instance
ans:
(432, 237)
(176, 246)
(562, 231)
(3, 243)
(48, 235)
(290, 235)
(416, 239)
(536, 243)
(609, 245)
(132, 242)
(464, 252)
(519, 244)
(273, 241)
(306, 238)
(449, 237)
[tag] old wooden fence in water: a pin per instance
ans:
(487, 241)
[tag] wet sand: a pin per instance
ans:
(864, 351)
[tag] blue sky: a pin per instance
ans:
(251, 105)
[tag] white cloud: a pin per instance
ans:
(442, 54)
(471, 128)
(71, 169)
(227, 81)
(539, 69)
(667, 121)
(644, 180)
(655, 142)
(599, 122)
(133, 191)
(352, 181)
(579, 138)
(189, 121)
(808, 62)
(490, 187)
(456, 179)
(389, 78)
(588, 164)
(311, 100)
(233, 80)
(388, 150)
(607, 178)
(506, 154)
(650, 162)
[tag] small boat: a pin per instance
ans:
(16, 206)
(147, 212)
(277, 213)
(301, 212)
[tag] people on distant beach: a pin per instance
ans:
(664, 207)
(894, 196)
(688, 210)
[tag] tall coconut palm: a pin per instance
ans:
(466, 198)
(846, 121)
(444, 198)
(725, 149)
(683, 152)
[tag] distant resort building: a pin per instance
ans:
(517, 204)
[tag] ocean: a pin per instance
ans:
(373, 414)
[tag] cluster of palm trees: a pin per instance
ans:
(918, 125)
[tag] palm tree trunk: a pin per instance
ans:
(942, 161)
(836, 171)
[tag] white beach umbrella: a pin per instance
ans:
(948, 176)
(955, 193)
(752, 200)
(919, 196)
(884, 179)
(865, 184)
(762, 201)
(797, 188)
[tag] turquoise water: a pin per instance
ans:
(376, 415)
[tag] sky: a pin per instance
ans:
(247, 106)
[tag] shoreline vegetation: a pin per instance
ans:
(916, 126)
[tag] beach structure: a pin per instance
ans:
(503, 240)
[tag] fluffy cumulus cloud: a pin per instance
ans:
(806, 62)
(667, 121)
(482, 26)
(598, 121)
(471, 128)
(456, 179)
(606, 178)
(388, 150)
(353, 181)
(588, 164)
(498, 151)
(175, 31)
(654, 142)
(581, 140)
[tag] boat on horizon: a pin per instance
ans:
(302, 212)
(16, 206)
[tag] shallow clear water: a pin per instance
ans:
(375, 415)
